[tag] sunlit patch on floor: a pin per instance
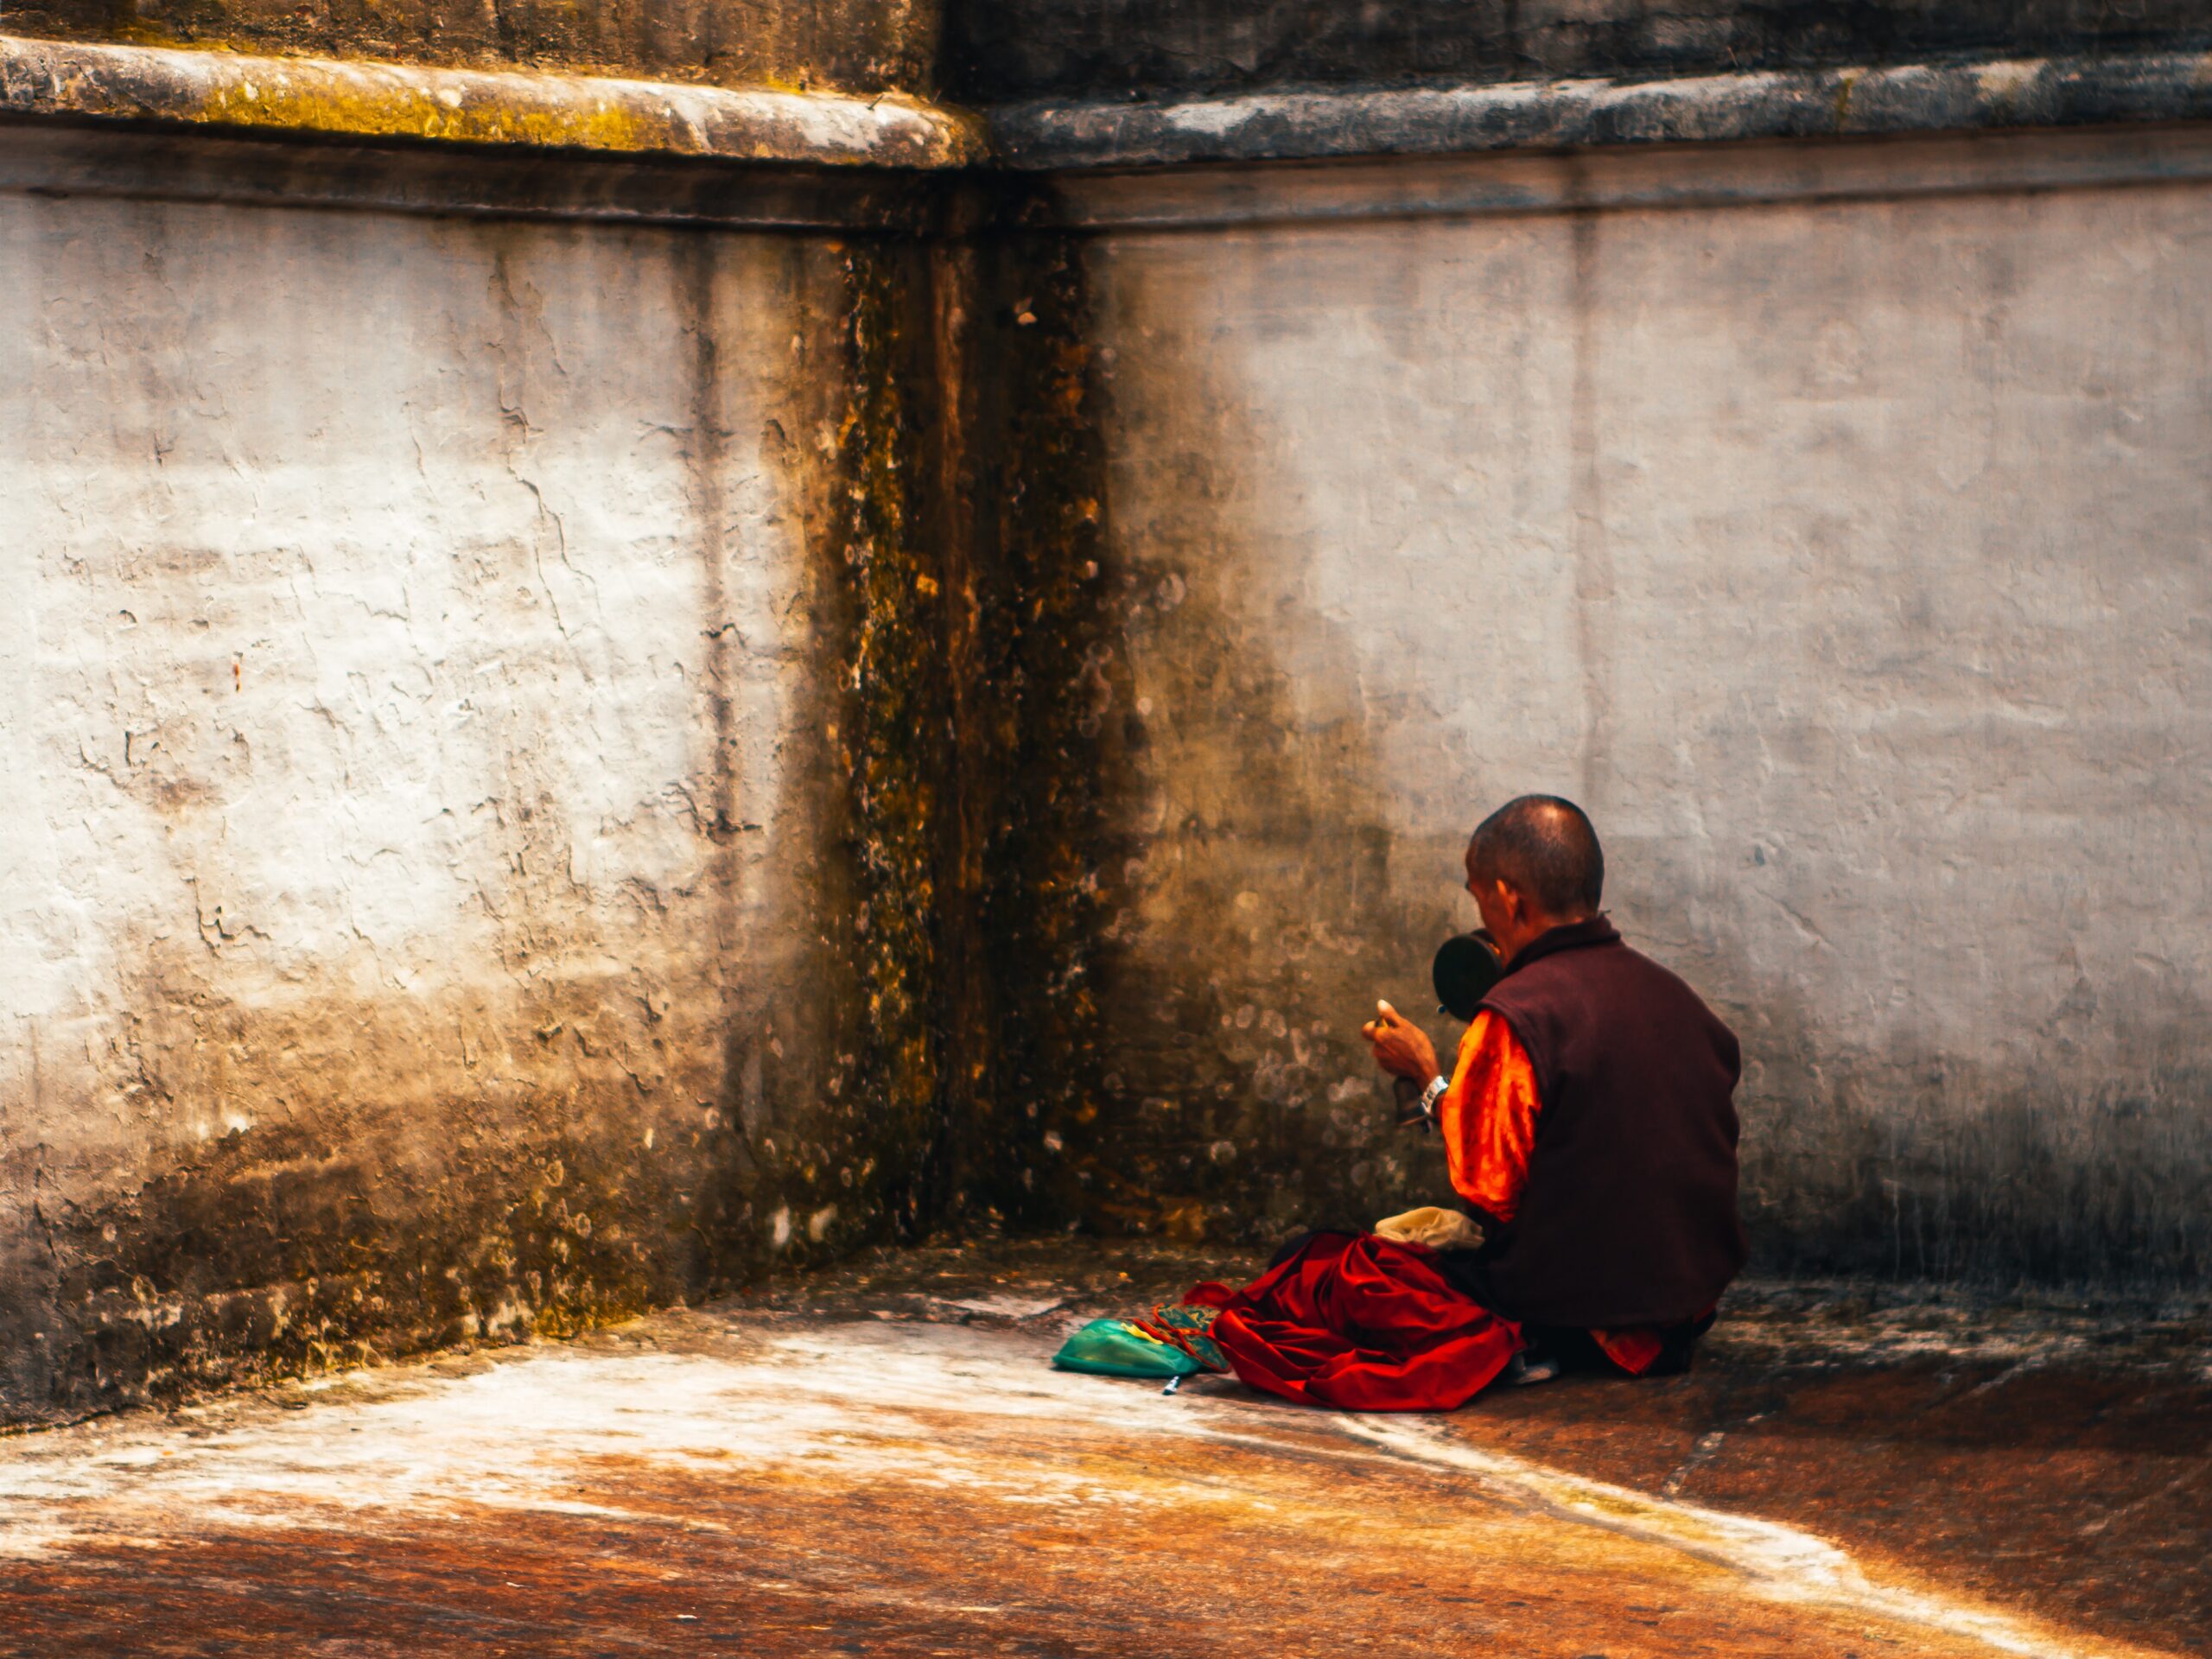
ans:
(841, 1485)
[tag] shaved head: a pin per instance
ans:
(1545, 847)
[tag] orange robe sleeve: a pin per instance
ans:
(1488, 1117)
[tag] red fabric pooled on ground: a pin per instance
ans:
(1361, 1323)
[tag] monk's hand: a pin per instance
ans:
(1401, 1048)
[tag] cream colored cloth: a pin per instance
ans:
(1441, 1229)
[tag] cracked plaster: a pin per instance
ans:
(414, 785)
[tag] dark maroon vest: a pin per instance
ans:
(1629, 1216)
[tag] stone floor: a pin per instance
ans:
(878, 1461)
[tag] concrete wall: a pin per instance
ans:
(420, 849)
(1847, 558)
(582, 726)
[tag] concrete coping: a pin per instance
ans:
(1556, 115)
(355, 99)
(273, 97)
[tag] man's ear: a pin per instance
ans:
(1512, 900)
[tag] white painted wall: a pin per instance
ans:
(373, 585)
(397, 606)
(1848, 560)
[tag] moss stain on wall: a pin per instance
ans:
(1051, 691)
(985, 693)
(891, 740)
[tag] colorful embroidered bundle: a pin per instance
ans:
(1173, 1340)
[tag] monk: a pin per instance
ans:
(1589, 1125)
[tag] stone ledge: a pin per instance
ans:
(275, 97)
(1556, 115)
(358, 100)
(250, 170)
(1210, 196)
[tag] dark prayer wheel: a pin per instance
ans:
(1465, 967)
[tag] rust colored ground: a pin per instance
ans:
(877, 1462)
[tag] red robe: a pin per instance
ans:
(1361, 1323)
(1365, 1324)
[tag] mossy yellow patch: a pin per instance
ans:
(374, 108)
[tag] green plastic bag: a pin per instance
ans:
(1117, 1348)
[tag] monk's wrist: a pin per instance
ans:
(1433, 1093)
